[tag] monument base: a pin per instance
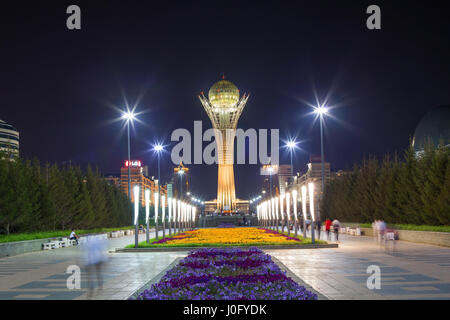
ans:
(233, 220)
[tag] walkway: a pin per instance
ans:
(42, 275)
(408, 271)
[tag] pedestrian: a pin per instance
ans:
(336, 226)
(319, 226)
(375, 229)
(73, 236)
(328, 227)
(381, 231)
(95, 254)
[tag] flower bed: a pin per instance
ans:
(226, 274)
(227, 237)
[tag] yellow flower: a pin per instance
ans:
(236, 236)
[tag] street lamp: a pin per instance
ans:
(321, 111)
(291, 145)
(311, 209)
(158, 148)
(304, 210)
(147, 212)
(136, 210)
(156, 212)
(129, 116)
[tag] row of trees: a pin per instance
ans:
(411, 190)
(35, 197)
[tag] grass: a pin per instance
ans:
(411, 227)
(151, 243)
(54, 234)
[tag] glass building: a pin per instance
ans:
(9, 139)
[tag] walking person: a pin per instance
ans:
(328, 227)
(319, 226)
(381, 231)
(336, 226)
(95, 254)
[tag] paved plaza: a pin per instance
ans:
(408, 271)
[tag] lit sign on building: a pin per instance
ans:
(133, 163)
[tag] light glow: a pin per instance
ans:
(304, 201)
(136, 204)
(147, 204)
(311, 199)
(156, 205)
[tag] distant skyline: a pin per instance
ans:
(58, 86)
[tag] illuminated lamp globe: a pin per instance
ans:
(223, 95)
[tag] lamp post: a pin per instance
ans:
(156, 213)
(291, 145)
(281, 212)
(288, 212)
(311, 209)
(158, 149)
(294, 208)
(304, 210)
(136, 212)
(163, 208)
(129, 116)
(276, 211)
(321, 111)
(169, 207)
(147, 212)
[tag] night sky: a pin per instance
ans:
(58, 86)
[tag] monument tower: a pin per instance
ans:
(224, 107)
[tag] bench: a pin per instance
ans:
(64, 243)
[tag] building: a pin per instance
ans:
(180, 181)
(139, 176)
(313, 175)
(284, 177)
(224, 106)
(281, 177)
(9, 139)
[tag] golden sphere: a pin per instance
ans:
(223, 94)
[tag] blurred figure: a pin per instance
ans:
(381, 231)
(319, 226)
(375, 229)
(336, 226)
(95, 254)
(328, 227)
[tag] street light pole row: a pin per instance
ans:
(270, 217)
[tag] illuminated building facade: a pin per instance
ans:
(224, 107)
(314, 175)
(139, 176)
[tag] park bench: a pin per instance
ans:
(64, 243)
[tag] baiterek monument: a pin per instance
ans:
(224, 107)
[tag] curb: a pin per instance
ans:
(275, 247)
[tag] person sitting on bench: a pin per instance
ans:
(73, 236)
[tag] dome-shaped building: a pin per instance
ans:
(434, 127)
(223, 95)
(9, 139)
